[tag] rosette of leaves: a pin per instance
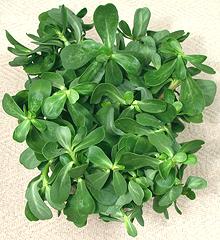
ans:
(101, 118)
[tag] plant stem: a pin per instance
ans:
(173, 85)
(44, 174)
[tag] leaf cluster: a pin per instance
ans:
(101, 119)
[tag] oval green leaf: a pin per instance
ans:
(136, 192)
(53, 106)
(60, 189)
(119, 183)
(28, 159)
(22, 130)
(37, 206)
(99, 158)
(106, 21)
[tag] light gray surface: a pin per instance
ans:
(201, 218)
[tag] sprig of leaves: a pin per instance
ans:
(101, 119)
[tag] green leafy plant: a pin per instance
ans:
(101, 119)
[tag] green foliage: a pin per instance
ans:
(101, 119)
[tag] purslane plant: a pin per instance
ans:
(101, 118)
